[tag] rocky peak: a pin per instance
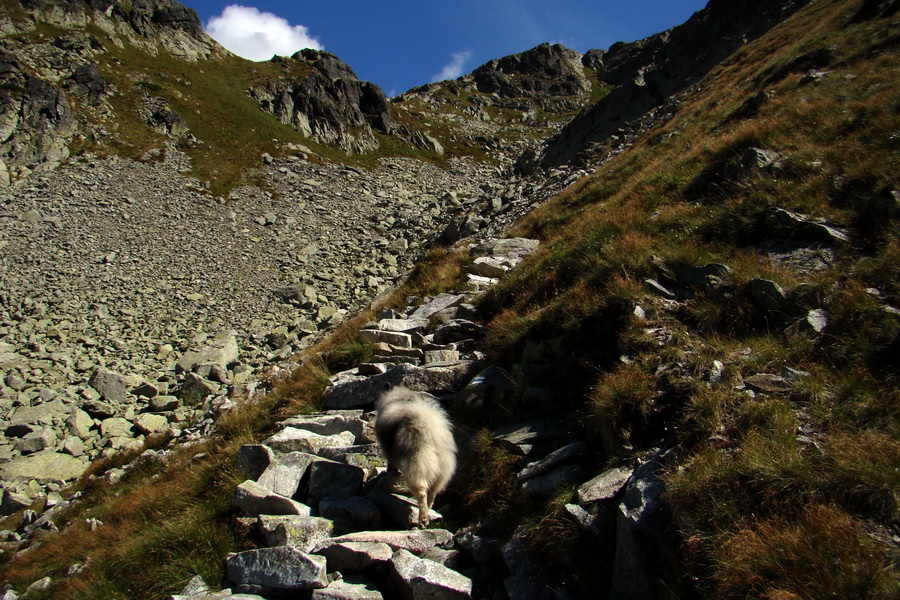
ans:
(646, 73)
(544, 70)
(330, 104)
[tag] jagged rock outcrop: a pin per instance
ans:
(330, 105)
(646, 73)
(149, 24)
(546, 70)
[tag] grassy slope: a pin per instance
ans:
(764, 511)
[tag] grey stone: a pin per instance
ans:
(814, 322)
(402, 325)
(350, 513)
(160, 404)
(355, 391)
(355, 557)
(486, 266)
(416, 541)
(457, 330)
(394, 338)
(401, 510)
(44, 467)
(221, 352)
(115, 427)
(708, 275)
(604, 486)
(74, 445)
(36, 441)
(98, 409)
(41, 414)
(302, 532)
(253, 459)
(768, 382)
(526, 438)
(109, 385)
(348, 589)
(557, 457)
(280, 570)
(291, 439)
(79, 423)
(419, 578)
(149, 423)
(194, 389)
(330, 423)
(543, 485)
(255, 499)
(768, 295)
(285, 471)
(329, 478)
(792, 225)
(438, 304)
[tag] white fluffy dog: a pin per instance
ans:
(416, 437)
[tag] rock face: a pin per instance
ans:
(646, 73)
(546, 70)
(330, 105)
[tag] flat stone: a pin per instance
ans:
(149, 423)
(329, 423)
(543, 485)
(350, 513)
(298, 531)
(329, 478)
(354, 557)
(291, 439)
(604, 486)
(110, 386)
(348, 589)
(419, 578)
(284, 473)
(255, 499)
(44, 467)
(400, 510)
(394, 338)
(116, 427)
(221, 352)
(416, 541)
(350, 391)
(557, 457)
(41, 414)
(768, 382)
(439, 303)
(277, 570)
(402, 325)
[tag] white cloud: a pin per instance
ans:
(256, 35)
(454, 68)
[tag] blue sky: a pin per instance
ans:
(402, 44)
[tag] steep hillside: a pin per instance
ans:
(678, 381)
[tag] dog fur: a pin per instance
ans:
(416, 437)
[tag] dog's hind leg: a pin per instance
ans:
(421, 496)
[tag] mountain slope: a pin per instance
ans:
(712, 314)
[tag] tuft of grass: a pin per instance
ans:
(821, 553)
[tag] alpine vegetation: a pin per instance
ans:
(416, 437)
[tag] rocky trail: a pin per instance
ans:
(324, 520)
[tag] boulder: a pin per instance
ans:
(254, 500)
(329, 478)
(149, 423)
(439, 303)
(351, 391)
(285, 472)
(109, 385)
(350, 513)
(555, 458)
(394, 338)
(194, 389)
(355, 557)
(45, 467)
(298, 531)
(348, 589)
(280, 570)
(330, 423)
(604, 486)
(291, 439)
(400, 510)
(416, 541)
(419, 578)
(115, 427)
